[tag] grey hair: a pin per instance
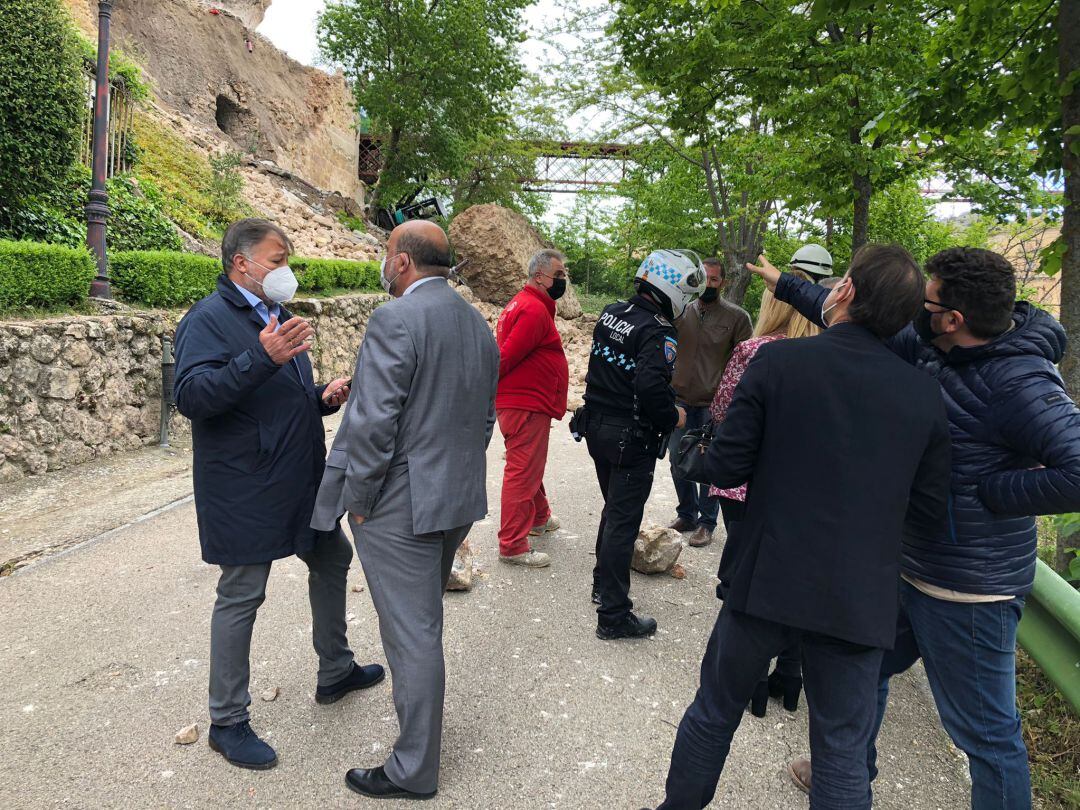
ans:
(242, 236)
(542, 260)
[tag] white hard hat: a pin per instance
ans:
(813, 259)
(676, 275)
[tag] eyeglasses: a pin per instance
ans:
(944, 307)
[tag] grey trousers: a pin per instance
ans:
(241, 590)
(407, 575)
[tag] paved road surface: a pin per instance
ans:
(103, 657)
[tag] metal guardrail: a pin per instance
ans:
(1050, 631)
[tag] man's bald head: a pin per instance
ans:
(425, 243)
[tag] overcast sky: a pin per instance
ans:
(290, 24)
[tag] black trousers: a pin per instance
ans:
(841, 690)
(624, 469)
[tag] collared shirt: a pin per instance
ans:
(418, 282)
(265, 312)
(259, 305)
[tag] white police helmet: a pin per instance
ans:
(676, 276)
(813, 259)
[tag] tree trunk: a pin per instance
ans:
(1068, 25)
(828, 232)
(861, 219)
(736, 275)
(387, 156)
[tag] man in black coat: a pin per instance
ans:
(244, 379)
(816, 557)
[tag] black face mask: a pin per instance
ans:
(557, 288)
(710, 295)
(923, 324)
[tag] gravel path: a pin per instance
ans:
(103, 657)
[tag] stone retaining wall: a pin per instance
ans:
(78, 388)
(73, 389)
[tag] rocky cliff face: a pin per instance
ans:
(249, 12)
(259, 99)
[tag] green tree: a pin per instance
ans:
(433, 76)
(42, 105)
(817, 82)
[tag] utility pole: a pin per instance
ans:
(97, 207)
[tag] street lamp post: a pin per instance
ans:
(97, 207)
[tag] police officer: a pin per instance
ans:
(629, 410)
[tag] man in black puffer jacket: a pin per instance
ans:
(1015, 454)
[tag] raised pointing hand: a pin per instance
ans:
(769, 274)
(287, 342)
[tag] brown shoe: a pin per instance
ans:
(799, 771)
(681, 525)
(701, 537)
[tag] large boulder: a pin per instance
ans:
(498, 243)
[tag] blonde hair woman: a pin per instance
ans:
(776, 321)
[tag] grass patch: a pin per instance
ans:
(29, 313)
(1052, 734)
(594, 304)
(179, 180)
(1051, 727)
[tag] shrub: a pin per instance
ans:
(135, 223)
(42, 107)
(36, 275)
(58, 216)
(161, 278)
(225, 185)
(327, 274)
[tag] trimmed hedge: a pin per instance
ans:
(162, 278)
(36, 275)
(327, 274)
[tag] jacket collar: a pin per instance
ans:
(436, 283)
(227, 290)
(853, 331)
(547, 300)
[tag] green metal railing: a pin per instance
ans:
(1050, 631)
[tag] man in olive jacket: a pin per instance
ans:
(244, 379)
(709, 330)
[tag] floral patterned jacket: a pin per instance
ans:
(733, 372)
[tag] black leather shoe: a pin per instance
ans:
(630, 627)
(595, 597)
(374, 782)
(359, 678)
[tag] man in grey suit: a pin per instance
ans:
(409, 466)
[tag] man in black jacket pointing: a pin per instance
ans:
(817, 556)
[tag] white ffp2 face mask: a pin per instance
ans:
(388, 283)
(279, 284)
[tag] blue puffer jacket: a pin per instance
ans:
(1015, 447)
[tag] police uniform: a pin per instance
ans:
(629, 410)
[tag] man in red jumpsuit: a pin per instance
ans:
(533, 378)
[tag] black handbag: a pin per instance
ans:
(690, 464)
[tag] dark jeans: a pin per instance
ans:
(695, 505)
(841, 681)
(969, 653)
(624, 470)
(789, 661)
